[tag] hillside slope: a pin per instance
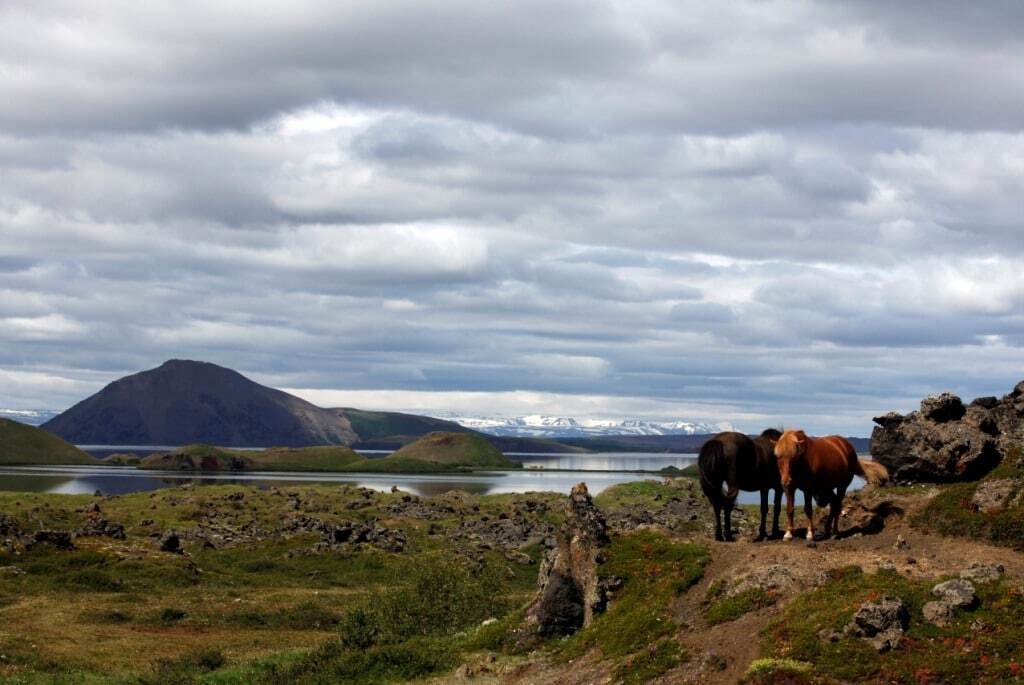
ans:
(24, 444)
(453, 449)
(184, 402)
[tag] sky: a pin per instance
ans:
(797, 213)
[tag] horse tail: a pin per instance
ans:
(873, 472)
(714, 468)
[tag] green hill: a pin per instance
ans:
(199, 457)
(448, 450)
(27, 445)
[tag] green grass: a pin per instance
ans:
(21, 444)
(454, 449)
(720, 608)
(951, 513)
(209, 457)
(980, 646)
(655, 571)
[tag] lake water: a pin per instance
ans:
(541, 472)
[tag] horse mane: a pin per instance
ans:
(771, 433)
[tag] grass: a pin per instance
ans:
(980, 646)
(655, 571)
(721, 608)
(951, 513)
(454, 449)
(115, 611)
(21, 444)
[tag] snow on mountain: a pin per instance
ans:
(539, 426)
(32, 417)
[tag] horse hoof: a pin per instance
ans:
(810, 536)
(788, 535)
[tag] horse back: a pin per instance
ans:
(832, 460)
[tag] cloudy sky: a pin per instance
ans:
(757, 212)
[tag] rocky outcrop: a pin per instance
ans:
(946, 441)
(954, 595)
(570, 592)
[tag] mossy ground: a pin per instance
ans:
(952, 513)
(981, 646)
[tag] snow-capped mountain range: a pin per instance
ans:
(32, 417)
(539, 426)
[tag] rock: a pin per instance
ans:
(945, 441)
(957, 593)
(170, 542)
(992, 495)
(938, 612)
(982, 573)
(11, 571)
(97, 526)
(881, 623)
(942, 408)
(901, 543)
(61, 539)
(9, 526)
(570, 593)
(773, 579)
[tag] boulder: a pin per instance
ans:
(569, 591)
(938, 612)
(992, 495)
(61, 539)
(880, 623)
(958, 593)
(170, 542)
(945, 441)
(982, 573)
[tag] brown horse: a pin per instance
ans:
(740, 463)
(823, 468)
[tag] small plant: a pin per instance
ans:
(171, 615)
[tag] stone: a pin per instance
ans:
(945, 441)
(61, 539)
(982, 573)
(901, 543)
(881, 623)
(992, 495)
(938, 612)
(570, 593)
(170, 542)
(958, 593)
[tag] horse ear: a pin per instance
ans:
(801, 436)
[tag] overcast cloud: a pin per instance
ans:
(760, 212)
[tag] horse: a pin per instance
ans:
(823, 468)
(741, 463)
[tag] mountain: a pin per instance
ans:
(540, 426)
(27, 445)
(183, 402)
(32, 417)
(390, 430)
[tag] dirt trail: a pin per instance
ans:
(737, 643)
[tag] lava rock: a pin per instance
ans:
(982, 573)
(992, 495)
(938, 612)
(881, 623)
(170, 542)
(957, 593)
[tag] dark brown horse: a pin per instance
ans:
(823, 468)
(741, 463)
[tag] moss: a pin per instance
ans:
(655, 571)
(722, 609)
(960, 652)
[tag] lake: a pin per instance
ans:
(541, 472)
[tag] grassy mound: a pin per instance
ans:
(952, 512)
(21, 444)
(452, 450)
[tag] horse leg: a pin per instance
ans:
(809, 511)
(728, 520)
(790, 496)
(761, 534)
(776, 512)
(837, 506)
(718, 520)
